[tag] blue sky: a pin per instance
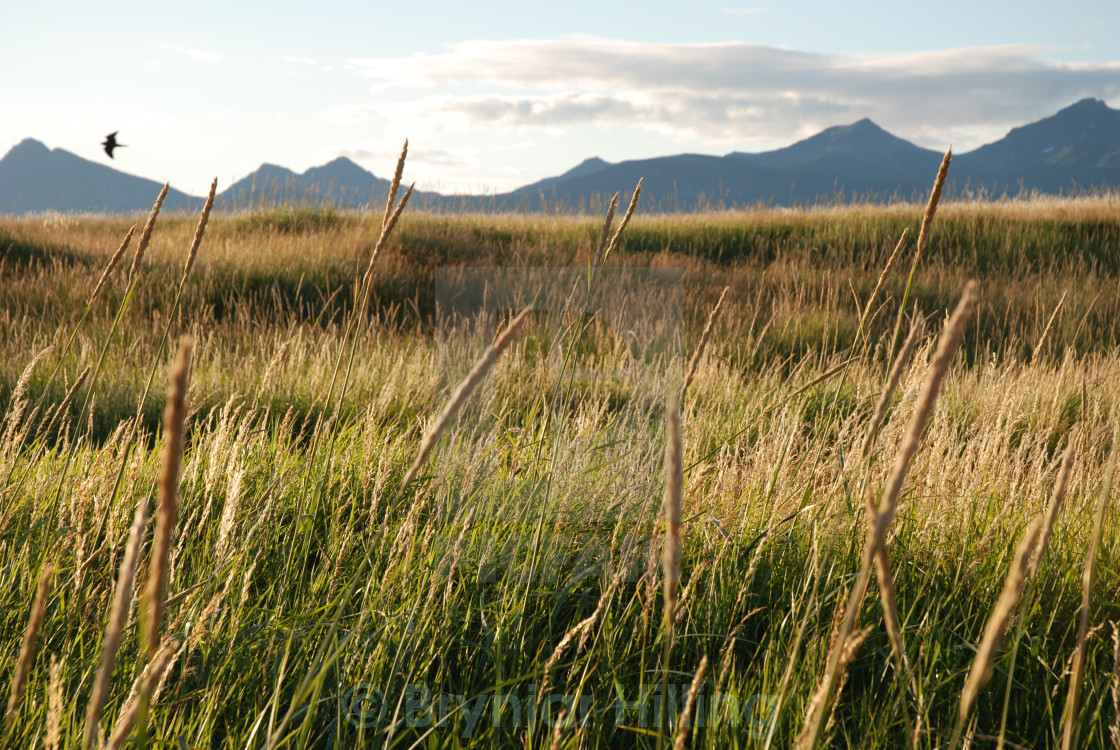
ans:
(497, 94)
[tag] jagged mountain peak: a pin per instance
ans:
(860, 140)
(1084, 135)
(35, 178)
(30, 146)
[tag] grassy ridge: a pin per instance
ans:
(313, 602)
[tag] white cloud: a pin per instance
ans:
(348, 114)
(296, 60)
(197, 54)
(379, 159)
(734, 92)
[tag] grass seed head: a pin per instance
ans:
(168, 508)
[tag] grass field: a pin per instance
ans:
(813, 553)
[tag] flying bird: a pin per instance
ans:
(110, 143)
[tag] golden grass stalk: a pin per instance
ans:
(888, 599)
(168, 507)
(54, 706)
(916, 328)
(273, 366)
(112, 263)
(684, 723)
(845, 649)
(558, 733)
(890, 608)
(934, 199)
(1114, 686)
(393, 219)
(462, 393)
(457, 555)
(16, 404)
(395, 184)
(392, 214)
(855, 640)
(727, 654)
(1056, 498)
(690, 587)
(1046, 331)
(234, 493)
(650, 575)
(884, 516)
(695, 363)
(887, 593)
(147, 684)
(671, 510)
(122, 598)
(581, 630)
(198, 232)
(927, 222)
(203, 623)
(25, 377)
(383, 237)
(1088, 575)
(947, 347)
(625, 220)
(605, 232)
(67, 401)
(146, 235)
(27, 648)
(879, 284)
(981, 670)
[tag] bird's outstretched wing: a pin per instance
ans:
(110, 143)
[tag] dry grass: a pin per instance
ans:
(146, 234)
(845, 643)
(167, 507)
(1088, 576)
(461, 394)
(27, 648)
(308, 560)
(114, 630)
(672, 514)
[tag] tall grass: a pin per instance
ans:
(360, 547)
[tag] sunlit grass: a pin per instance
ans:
(302, 577)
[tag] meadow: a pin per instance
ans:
(810, 486)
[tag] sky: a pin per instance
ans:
(495, 95)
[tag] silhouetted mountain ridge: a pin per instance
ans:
(1075, 149)
(36, 178)
(1080, 145)
(860, 140)
(584, 168)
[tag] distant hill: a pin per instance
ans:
(1078, 148)
(36, 178)
(584, 168)
(340, 183)
(670, 183)
(861, 158)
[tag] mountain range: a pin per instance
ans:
(1077, 148)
